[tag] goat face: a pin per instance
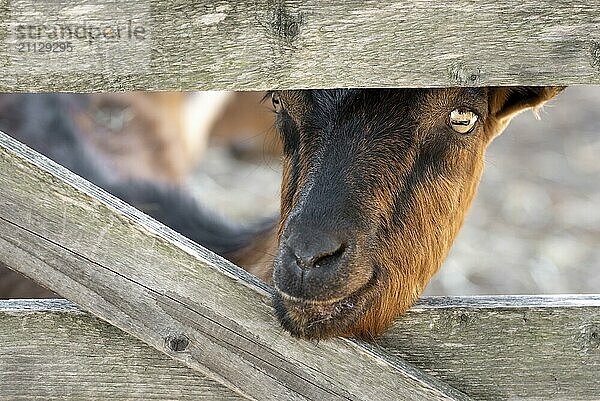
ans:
(376, 185)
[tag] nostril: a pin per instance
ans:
(312, 264)
(322, 258)
(327, 258)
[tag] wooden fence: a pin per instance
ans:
(158, 316)
(279, 44)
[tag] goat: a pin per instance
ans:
(376, 184)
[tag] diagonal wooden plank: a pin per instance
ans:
(282, 44)
(147, 280)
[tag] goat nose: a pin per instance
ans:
(316, 250)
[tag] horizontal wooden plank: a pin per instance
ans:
(52, 350)
(505, 347)
(495, 348)
(174, 295)
(101, 45)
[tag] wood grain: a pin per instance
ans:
(283, 44)
(494, 348)
(53, 351)
(505, 347)
(174, 295)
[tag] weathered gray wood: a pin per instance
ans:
(51, 350)
(147, 280)
(505, 347)
(271, 44)
(495, 348)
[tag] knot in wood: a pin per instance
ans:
(590, 338)
(285, 23)
(595, 54)
(177, 343)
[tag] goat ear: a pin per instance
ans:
(507, 102)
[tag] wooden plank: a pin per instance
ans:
(496, 348)
(282, 44)
(147, 280)
(505, 347)
(52, 350)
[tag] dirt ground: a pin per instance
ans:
(534, 227)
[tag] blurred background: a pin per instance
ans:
(534, 227)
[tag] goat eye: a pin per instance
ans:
(462, 120)
(276, 101)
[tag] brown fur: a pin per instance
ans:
(409, 251)
(245, 126)
(140, 133)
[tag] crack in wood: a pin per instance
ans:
(164, 299)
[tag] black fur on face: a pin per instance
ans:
(356, 166)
